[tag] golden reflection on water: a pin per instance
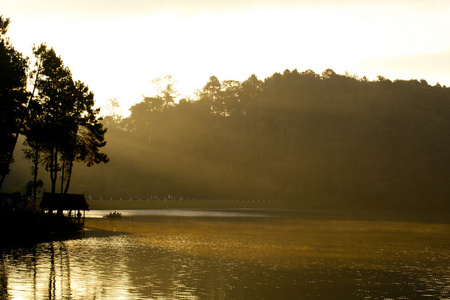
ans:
(285, 242)
(68, 270)
(235, 258)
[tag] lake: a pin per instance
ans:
(236, 254)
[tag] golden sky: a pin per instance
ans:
(118, 47)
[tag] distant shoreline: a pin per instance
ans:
(278, 210)
(175, 204)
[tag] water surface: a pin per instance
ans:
(242, 254)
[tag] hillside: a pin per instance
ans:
(316, 141)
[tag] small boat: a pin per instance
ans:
(113, 215)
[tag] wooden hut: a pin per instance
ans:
(69, 204)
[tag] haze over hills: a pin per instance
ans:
(315, 140)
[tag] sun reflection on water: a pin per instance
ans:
(69, 270)
(210, 258)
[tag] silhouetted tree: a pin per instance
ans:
(143, 117)
(319, 141)
(169, 93)
(229, 97)
(87, 136)
(67, 124)
(210, 94)
(35, 138)
(13, 98)
(54, 87)
(251, 98)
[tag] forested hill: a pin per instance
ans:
(317, 141)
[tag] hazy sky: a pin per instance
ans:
(118, 47)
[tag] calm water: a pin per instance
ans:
(235, 255)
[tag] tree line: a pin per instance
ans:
(315, 140)
(328, 140)
(56, 115)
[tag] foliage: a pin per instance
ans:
(13, 98)
(63, 126)
(317, 141)
(60, 123)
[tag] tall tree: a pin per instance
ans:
(169, 93)
(87, 135)
(70, 129)
(13, 98)
(251, 104)
(210, 94)
(34, 145)
(143, 117)
(54, 86)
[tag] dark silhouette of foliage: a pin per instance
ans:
(317, 141)
(64, 126)
(13, 98)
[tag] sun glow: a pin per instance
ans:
(118, 56)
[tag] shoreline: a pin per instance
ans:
(177, 204)
(31, 227)
(285, 213)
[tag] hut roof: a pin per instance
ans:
(66, 202)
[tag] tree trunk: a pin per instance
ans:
(60, 208)
(69, 176)
(70, 162)
(35, 175)
(63, 163)
(54, 168)
(2, 178)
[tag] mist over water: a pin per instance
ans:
(272, 255)
(182, 213)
